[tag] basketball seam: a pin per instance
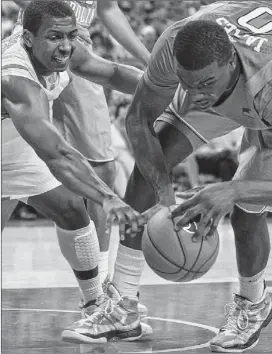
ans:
(197, 256)
(216, 250)
(181, 246)
(162, 254)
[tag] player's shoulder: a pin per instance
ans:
(249, 27)
(15, 59)
(13, 50)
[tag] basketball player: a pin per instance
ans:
(38, 166)
(85, 123)
(217, 66)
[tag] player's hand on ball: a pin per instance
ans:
(118, 210)
(212, 202)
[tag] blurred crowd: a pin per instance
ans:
(148, 18)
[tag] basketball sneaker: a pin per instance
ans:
(115, 319)
(87, 308)
(245, 320)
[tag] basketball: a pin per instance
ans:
(173, 255)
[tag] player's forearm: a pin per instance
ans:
(149, 155)
(125, 78)
(72, 169)
(119, 27)
(255, 192)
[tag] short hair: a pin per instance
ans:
(38, 10)
(200, 43)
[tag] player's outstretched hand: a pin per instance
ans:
(118, 210)
(212, 202)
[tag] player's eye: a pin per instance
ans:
(207, 84)
(54, 38)
(72, 37)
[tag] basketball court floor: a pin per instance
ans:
(40, 297)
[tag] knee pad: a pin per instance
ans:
(80, 247)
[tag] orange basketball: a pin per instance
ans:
(172, 255)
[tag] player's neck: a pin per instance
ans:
(38, 67)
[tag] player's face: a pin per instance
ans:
(205, 86)
(52, 47)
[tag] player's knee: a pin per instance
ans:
(245, 221)
(72, 214)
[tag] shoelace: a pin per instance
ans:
(232, 320)
(104, 309)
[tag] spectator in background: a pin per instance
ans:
(148, 35)
(9, 16)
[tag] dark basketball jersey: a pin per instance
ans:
(249, 26)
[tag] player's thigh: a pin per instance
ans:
(7, 208)
(65, 208)
(255, 162)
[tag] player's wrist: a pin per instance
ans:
(166, 195)
(237, 191)
(108, 199)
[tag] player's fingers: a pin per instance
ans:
(141, 220)
(190, 193)
(122, 223)
(182, 208)
(210, 232)
(188, 216)
(133, 221)
(203, 224)
(109, 222)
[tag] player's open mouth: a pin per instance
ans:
(62, 60)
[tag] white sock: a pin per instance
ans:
(128, 269)
(81, 250)
(252, 288)
(103, 265)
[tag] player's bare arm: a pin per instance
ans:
(29, 109)
(117, 24)
(115, 76)
(146, 107)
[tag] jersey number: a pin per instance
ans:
(244, 20)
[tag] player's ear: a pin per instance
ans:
(28, 38)
(233, 60)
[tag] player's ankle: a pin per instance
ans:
(252, 288)
(129, 266)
